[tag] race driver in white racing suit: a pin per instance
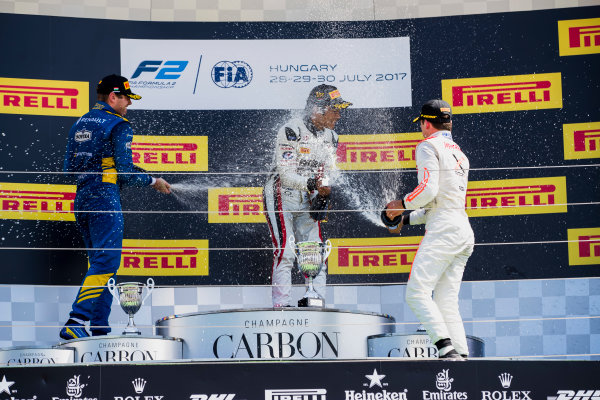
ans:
(439, 202)
(304, 153)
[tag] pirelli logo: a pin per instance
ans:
(378, 151)
(164, 258)
(373, 256)
(235, 205)
(170, 153)
(584, 246)
(43, 97)
(503, 93)
(581, 140)
(517, 196)
(37, 202)
(579, 36)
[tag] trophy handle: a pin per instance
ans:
(111, 288)
(328, 247)
(149, 288)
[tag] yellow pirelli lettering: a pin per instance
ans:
(352, 256)
(170, 153)
(186, 257)
(584, 246)
(517, 196)
(377, 151)
(503, 93)
(579, 36)
(32, 201)
(235, 205)
(43, 97)
(581, 141)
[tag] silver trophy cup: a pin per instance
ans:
(129, 297)
(311, 257)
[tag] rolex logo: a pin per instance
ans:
(505, 379)
(138, 385)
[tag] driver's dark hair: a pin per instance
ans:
(442, 126)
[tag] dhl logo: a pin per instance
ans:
(581, 140)
(378, 151)
(170, 153)
(517, 196)
(43, 97)
(579, 36)
(235, 205)
(37, 202)
(353, 256)
(503, 93)
(164, 258)
(584, 246)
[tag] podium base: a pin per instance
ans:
(311, 302)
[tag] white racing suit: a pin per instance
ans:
(439, 201)
(300, 153)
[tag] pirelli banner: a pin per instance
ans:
(214, 96)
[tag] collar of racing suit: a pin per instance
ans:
(309, 125)
(446, 134)
(102, 106)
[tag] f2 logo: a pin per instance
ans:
(168, 71)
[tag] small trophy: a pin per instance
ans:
(129, 297)
(311, 258)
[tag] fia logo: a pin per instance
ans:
(226, 74)
(443, 381)
(74, 388)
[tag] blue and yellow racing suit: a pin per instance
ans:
(99, 146)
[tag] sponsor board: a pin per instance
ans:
(517, 196)
(584, 246)
(37, 201)
(373, 255)
(295, 394)
(581, 140)
(377, 151)
(503, 93)
(43, 97)
(235, 205)
(265, 74)
(505, 381)
(443, 384)
(170, 153)
(579, 36)
(164, 258)
(579, 394)
(75, 389)
(376, 388)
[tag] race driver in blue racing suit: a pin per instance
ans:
(99, 155)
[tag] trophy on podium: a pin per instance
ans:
(311, 257)
(129, 297)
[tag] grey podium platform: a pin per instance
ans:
(283, 333)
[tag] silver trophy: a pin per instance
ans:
(129, 297)
(311, 257)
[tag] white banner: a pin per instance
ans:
(265, 74)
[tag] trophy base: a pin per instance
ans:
(311, 302)
(134, 333)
